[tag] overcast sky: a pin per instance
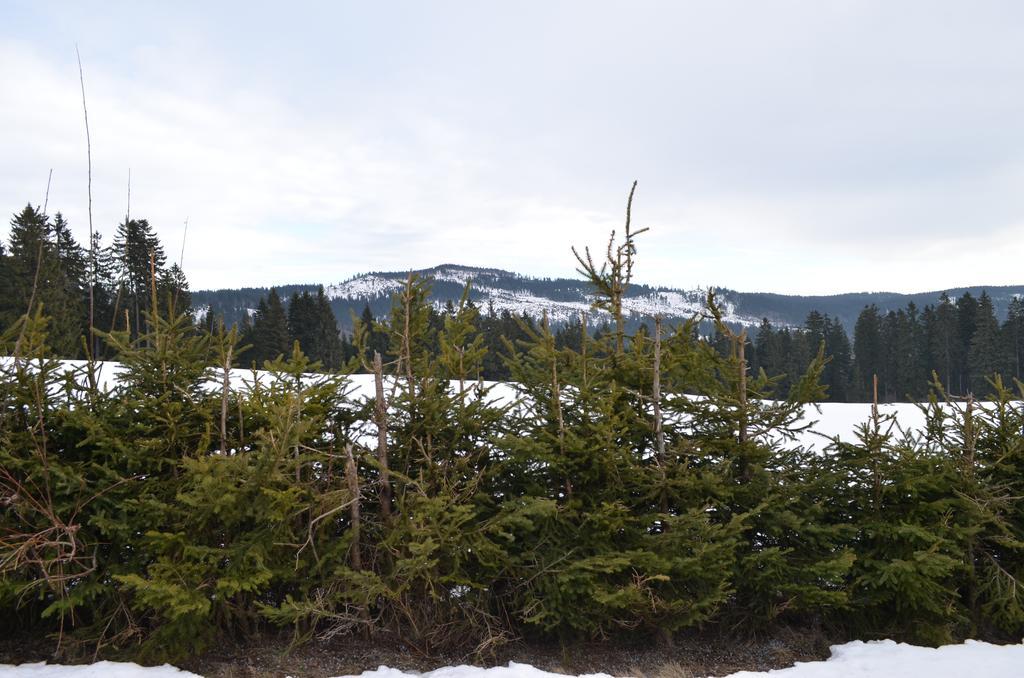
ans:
(809, 147)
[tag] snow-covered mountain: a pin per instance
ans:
(565, 298)
(561, 299)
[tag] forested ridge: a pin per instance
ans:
(642, 484)
(961, 340)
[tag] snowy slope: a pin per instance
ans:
(564, 298)
(561, 299)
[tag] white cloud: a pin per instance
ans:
(853, 146)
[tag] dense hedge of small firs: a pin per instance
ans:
(639, 486)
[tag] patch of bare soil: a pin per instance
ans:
(273, 655)
(689, 657)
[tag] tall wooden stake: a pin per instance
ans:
(584, 340)
(556, 397)
(874, 401)
(224, 392)
(742, 356)
(352, 481)
(875, 448)
(969, 451)
(381, 415)
(659, 431)
(92, 243)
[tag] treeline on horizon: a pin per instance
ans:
(175, 511)
(961, 341)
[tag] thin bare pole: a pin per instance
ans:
(874, 401)
(128, 206)
(46, 200)
(226, 387)
(659, 432)
(876, 452)
(381, 415)
(352, 481)
(92, 246)
(741, 354)
(181, 259)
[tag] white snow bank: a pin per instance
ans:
(513, 670)
(97, 670)
(889, 659)
(878, 659)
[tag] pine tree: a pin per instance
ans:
(985, 356)
(139, 260)
(303, 324)
(1013, 333)
(788, 560)
(39, 278)
(897, 500)
(332, 351)
(837, 375)
(967, 324)
(376, 338)
(868, 351)
(945, 344)
(269, 336)
(174, 295)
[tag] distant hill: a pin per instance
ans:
(564, 298)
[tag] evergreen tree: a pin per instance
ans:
(376, 338)
(868, 351)
(897, 503)
(268, 336)
(40, 277)
(174, 296)
(1013, 338)
(138, 259)
(303, 324)
(837, 375)
(332, 351)
(967, 324)
(944, 343)
(985, 354)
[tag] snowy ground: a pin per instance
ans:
(97, 670)
(830, 420)
(878, 659)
